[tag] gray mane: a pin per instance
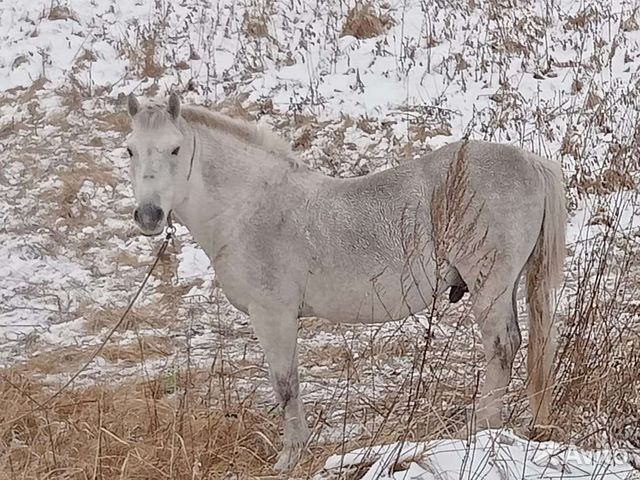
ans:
(154, 114)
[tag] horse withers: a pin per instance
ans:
(287, 242)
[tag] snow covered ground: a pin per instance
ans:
(559, 78)
(491, 455)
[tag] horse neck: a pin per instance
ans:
(228, 176)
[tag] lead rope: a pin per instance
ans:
(170, 235)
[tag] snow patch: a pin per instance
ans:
(490, 455)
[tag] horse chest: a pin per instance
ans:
(234, 295)
(232, 283)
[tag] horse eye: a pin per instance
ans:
(175, 151)
(129, 152)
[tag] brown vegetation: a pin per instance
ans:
(61, 12)
(136, 430)
(363, 21)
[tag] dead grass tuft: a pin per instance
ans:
(255, 26)
(114, 121)
(610, 180)
(421, 133)
(70, 208)
(83, 60)
(630, 24)
(100, 319)
(71, 98)
(582, 19)
(150, 65)
(363, 21)
(54, 361)
(142, 52)
(26, 95)
(61, 12)
(147, 347)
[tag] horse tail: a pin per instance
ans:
(544, 273)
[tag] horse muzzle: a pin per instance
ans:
(149, 218)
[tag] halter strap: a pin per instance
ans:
(193, 154)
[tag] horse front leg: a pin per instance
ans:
(277, 332)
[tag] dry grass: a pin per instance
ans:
(115, 121)
(70, 208)
(177, 425)
(596, 394)
(609, 181)
(198, 424)
(53, 362)
(139, 430)
(143, 52)
(150, 65)
(364, 21)
(69, 359)
(255, 26)
(61, 12)
(148, 347)
(163, 428)
(157, 315)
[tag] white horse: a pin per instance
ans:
(287, 242)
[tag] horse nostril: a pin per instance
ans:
(155, 214)
(136, 216)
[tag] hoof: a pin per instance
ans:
(287, 459)
(479, 424)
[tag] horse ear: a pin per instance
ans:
(133, 104)
(174, 106)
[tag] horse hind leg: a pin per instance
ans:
(494, 308)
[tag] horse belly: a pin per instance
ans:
(362, 300)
